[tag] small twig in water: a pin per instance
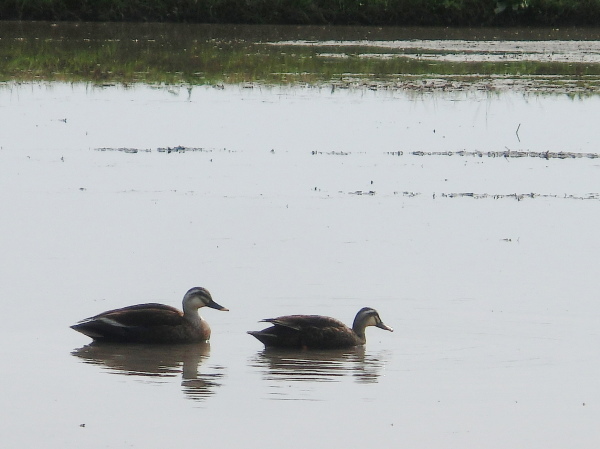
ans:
(517, 132)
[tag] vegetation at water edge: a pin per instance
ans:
(192, 54)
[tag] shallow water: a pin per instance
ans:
(301, 200)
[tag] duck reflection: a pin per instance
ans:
(156, 362)
(319, 366)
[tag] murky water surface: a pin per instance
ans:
(467, 218)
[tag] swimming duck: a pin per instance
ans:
(318, 332)
(153, 323)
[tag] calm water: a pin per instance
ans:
(301, 200)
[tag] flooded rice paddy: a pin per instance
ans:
(466, 217)
(421, 59)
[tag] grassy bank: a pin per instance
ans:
(349, 12)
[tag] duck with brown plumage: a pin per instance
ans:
(318, 332)
(153, 323)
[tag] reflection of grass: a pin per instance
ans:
(162, 54)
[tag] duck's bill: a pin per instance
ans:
(214, 305)
(383, 326)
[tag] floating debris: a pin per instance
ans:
(362, 192)
(181, 149)
(331, 153)
(510, 154)
(176, 149)
(520, 196)
(125, 150)
(432, 153)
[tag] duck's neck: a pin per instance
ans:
(198, 328)
(358, 327)
(192, 315)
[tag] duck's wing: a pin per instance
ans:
(122, 324)
(142, 315)
(305, 331)
(300, 322)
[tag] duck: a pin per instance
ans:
(153, 323)
(318, 332)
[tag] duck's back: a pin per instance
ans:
(147, 323)
(151, 314)
(307, 331)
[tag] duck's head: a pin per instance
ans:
(369, 317)
(197, 297)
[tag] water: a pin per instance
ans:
(301, 200)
